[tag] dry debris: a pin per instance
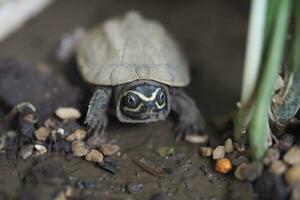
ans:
(149, 166)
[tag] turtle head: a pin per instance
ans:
(144, 102)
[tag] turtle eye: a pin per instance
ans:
(161, 98)
(131, 101)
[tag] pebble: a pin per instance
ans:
(223, 165)
(67, 113)
(206, 151)
(296, 192)
(228, 145)
(239, 160)
(60, 196)
(49, 123)
(79, 149)
(272, 154)
(94, 156)
(196, 139)
(42, 133)
(249, 172)
(109, 149)
(26, 151)
(166, 151)
(77, 135)
(135, 187)
(40, 149)
(292, 175)
(285, 142)
(218, 152)
(292, 157)
(69, 191)
(278, 167)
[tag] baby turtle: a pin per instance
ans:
(137, 67)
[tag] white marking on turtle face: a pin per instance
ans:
(160, 107)
(142, 96)
(134, 109)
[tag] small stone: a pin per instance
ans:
(60, 196)
(42, 133)
(40, 149)
(166, 151)
(239, 147)
(135, 187)
(292, 175)
(278, 167)
(49, 123)
(60, 131)
(249, 172)
(26, 151)
(196, 139)
(292, 157)
(206, 151)
(67, 113)
(228, 144)
(223, 165)
(296, 192)
(272, 154)
(285, 142)
(109, 149)
(218, 152)
(239, 160)
(94, 156)
(77, 135)
(79, 149)
(69, 191)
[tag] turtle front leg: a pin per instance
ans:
(190, 120)
(96, 117)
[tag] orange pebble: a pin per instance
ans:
(223, 165)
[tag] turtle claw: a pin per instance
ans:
(182, 130)
(97, 125)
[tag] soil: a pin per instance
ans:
(211, 33)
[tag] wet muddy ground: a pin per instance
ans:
(211, 33)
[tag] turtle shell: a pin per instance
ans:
(128, 49)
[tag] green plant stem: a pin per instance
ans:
(259, 120)
(253, 56)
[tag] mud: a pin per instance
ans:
(212, 34)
